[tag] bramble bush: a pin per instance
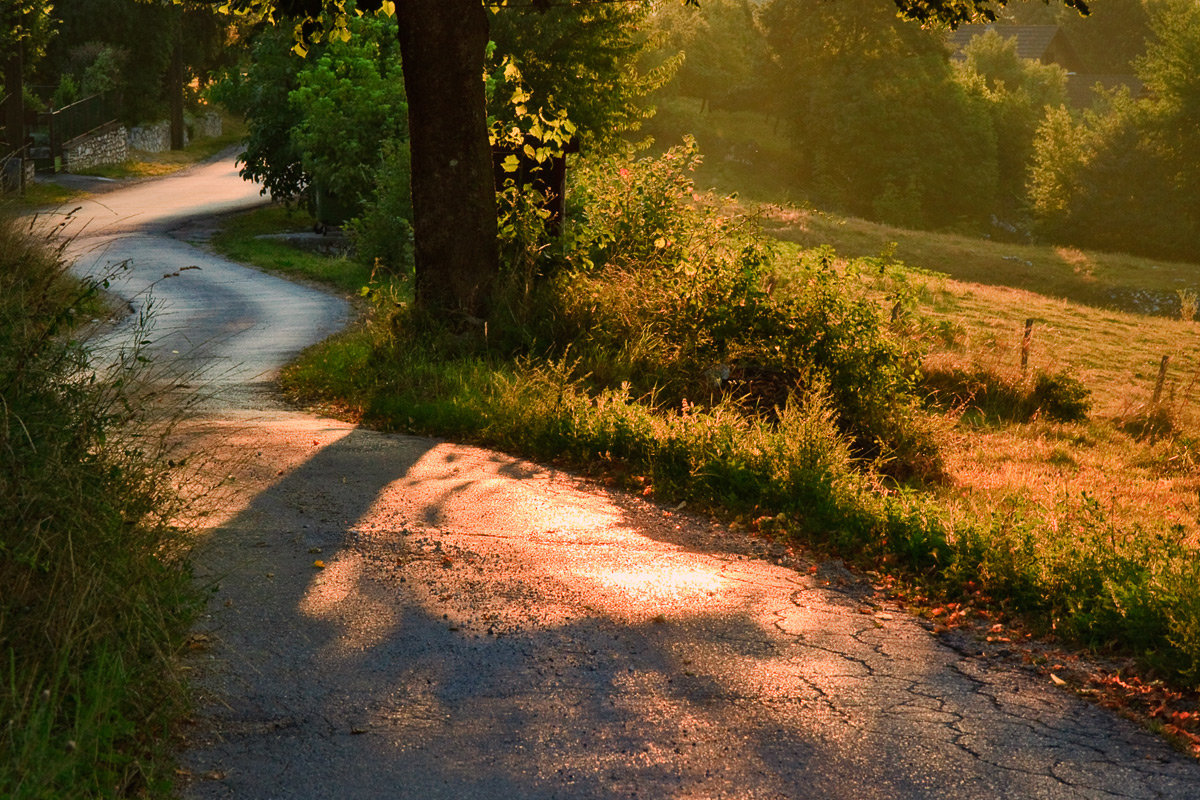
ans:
(676, 294)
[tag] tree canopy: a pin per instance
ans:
(443, 45)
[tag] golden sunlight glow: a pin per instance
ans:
(668, 581)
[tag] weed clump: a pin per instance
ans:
(996, 396)
(96, 594)
(1060, 397)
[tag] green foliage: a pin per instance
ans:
(1123, 590)
(866, 95)
(27, 25)
(324, 122)
(66, 93)
(382, 233)
(582, 59)
(348, 100)
(103, 74)
(261, 96)
(133, 43)
(97, 595)
(531, 135)
(671, 293)
(1017, 93)
(1008, 398)
(1111, 37)
(725, 53)
(1061, 397)
(1121, 177)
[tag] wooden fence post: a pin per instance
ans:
(1162, 376)
(1025, 346)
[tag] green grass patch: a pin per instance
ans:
(37, 195)
(97, 593)
(241, 240)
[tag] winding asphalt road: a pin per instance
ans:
(398, 617)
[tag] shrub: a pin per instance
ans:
(676, 294)
(1061, 397)
(1007, 397)
(382, 234)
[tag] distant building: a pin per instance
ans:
(1045, 43)
(1048, 44)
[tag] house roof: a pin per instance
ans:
(1044, 43)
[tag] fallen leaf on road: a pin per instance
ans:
(319, 564)
(1057, 681)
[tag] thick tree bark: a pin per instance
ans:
(175, 77)
(442, 44)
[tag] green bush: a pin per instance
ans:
(382, 234)
(676, 295)
(1010, 398)
(1061, 397)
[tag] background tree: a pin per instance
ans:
(1017, 92)
(129, 48)
(442, 46)
(1123, 176)
(25, 29)
(584, 59)
(867, 94)
(726, 55)
(321, 120)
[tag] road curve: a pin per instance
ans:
(217, 324)
(398, 617)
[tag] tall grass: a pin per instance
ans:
(95, 594)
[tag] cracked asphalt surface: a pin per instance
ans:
(483, 627)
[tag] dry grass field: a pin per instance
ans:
(1136, 457)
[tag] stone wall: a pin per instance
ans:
(105, 145)
(111, 143)
(153, 138)
(156, 137)
(207, 125)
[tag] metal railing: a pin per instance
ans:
(54, 129)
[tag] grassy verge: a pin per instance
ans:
(241, 241)
(97, 595)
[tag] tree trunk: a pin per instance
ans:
(442, 44)
(175, 77)
(14, 117)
